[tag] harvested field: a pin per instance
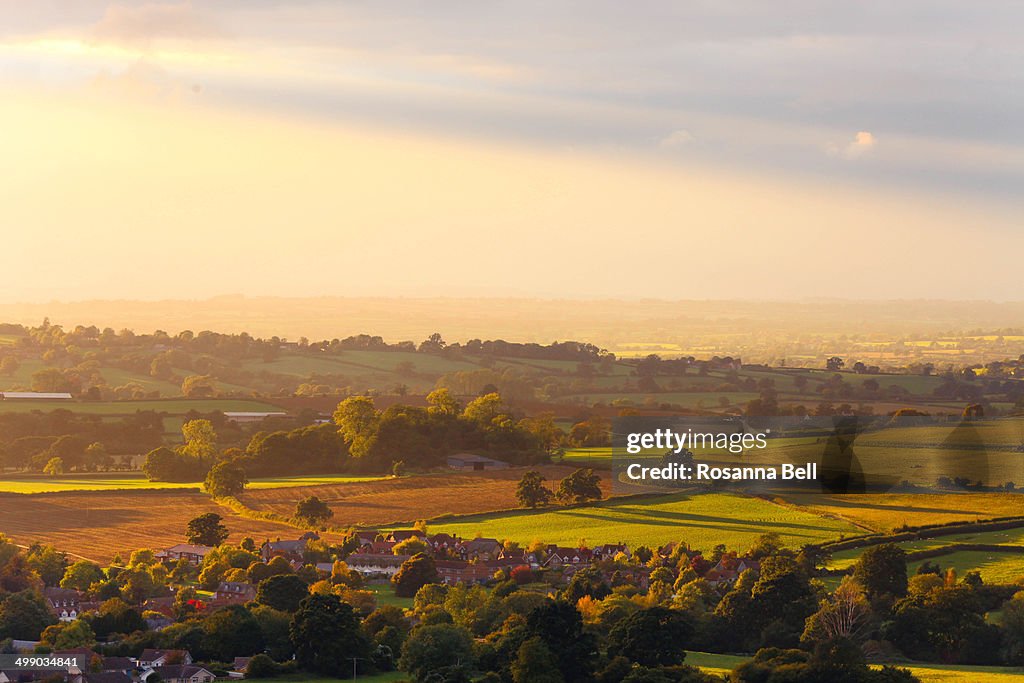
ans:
(885, 512)
(409, 498)
(99, 524)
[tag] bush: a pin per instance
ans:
(261, 666)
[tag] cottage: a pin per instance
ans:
(63, 602)
(470, 462)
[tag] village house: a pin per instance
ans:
(400, 535)
(479, 549)
(181, 673)
(560, 557)
(459, 571)
(293, 551)
(151, 658)
(442, 543)
(368, 536)
(105, 677)
(63, 602)
(376, 564)
(235, 591)
(378, 547)
(193, 554)
(610, 550)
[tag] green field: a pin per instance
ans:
(175, 406)
(928, 673)
(127, 481)
(702, 520)
(386, 596)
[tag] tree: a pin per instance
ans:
(531, 492)
(432, 649)
(652, 637)
(54, 466)
(534, 663)
(206, 529)
(69, 635)
(163, 464)
(24, 615)
(882, 570)
(47, 562)
(261, 666)
(198, 386)
(9, 365)
(225, 479)
(1013, 629)
(326, 636)
(200, 441)
(441, 402)
(579, 487)
(834, 363)
(413, 545)
(81, 575)
(846, 615)
(50, 380)
(559, 625)
(356, 418)
(416, 572)
(284, 592)
(231, 632)
(313, 511)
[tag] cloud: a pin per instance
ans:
(139, 26)
(677, 138)
(862, 143)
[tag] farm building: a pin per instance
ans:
(474, 463)
(36, 395)
(251, 417)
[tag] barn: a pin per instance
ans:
(474, 463)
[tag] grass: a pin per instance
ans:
(702, 520)
(928, 673)
(310, 678)
(385, 593)
(128, 481)
(1004, 568)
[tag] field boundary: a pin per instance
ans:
(924, 532)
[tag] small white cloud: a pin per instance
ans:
(862, 143)
(677, 138)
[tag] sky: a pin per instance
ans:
(785, 150)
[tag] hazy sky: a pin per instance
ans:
(578, 149)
